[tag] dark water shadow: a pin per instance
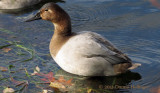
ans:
(102, 83)
(28, 9)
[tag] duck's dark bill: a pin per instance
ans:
(36, 17)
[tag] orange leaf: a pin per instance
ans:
(6, 49)
(3, 68)
(69, 82)
(155, 3)
(61, 79)
(155, 89)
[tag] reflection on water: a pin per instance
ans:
(133, 26)
(103, 84)
(28, 9)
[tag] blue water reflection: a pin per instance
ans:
(132, 25)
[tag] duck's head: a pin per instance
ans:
(54, 13)
(51, 12)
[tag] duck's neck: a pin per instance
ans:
(62, 28)
(62, 33)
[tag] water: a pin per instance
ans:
(133, 26)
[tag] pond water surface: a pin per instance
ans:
(132, 25)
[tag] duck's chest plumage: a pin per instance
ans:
(87, 54)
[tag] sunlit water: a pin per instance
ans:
(133, 26)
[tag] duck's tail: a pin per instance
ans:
(134, 65)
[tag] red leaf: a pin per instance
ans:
(48, 77)
(43, 79)
(38, 74)
(17, 83)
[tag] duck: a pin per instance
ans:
(20, 4)
(16, 4)
(83, 53)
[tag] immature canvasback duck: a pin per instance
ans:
(84, 53)
(15, 4)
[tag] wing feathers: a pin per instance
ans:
(98, 46)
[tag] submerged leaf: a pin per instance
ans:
(62, 80)
(8, 90)
(17, 83)
(44, 79)
(45, 91)
(49, 77)
(24, 84)
(37, 70)
(155, 90)
(3, 69)
(6, 49)
(57, 85)
(89, 90)
(48, 91)
(155, 3)
(69, 82)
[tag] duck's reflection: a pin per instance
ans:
(28, 9)
(103, 83)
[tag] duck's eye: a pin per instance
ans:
(46, 10)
